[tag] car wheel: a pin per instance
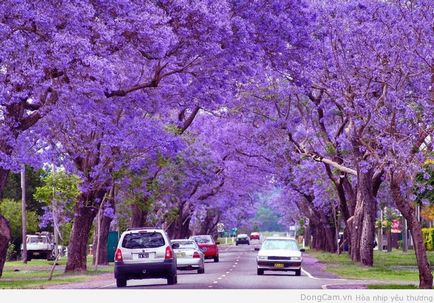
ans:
(260, 271)
(201, 270)
(298, 272)
(236, 244)
(121, 282)
(172, 279)
(216, 259)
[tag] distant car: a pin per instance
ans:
(242, 239)
(145, 253)
(189, 256)
(207, 246)
(40, 246)
(279, 254)
(254, 236)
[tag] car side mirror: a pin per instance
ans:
(175, 245)
(218, 242)
(302, 249)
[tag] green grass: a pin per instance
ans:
(386, 266)
(223, 241)
(392, 286)
(35, 273)
(8, 284)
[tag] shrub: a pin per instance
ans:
(428, 238)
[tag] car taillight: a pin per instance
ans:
(169, 253)
(196, 255)
(118, 255)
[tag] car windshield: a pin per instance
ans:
(203, 239)
(143, 240)
(37, 240)
(280, 244)
(242, 236)
(186, 244)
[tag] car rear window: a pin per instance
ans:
(143, 240)
(186, 244)
(203, 239)
(280, 244)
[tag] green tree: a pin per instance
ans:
(58, 193)
(12, 189)
(11, 210)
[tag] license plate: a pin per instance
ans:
(36, 253)
(142, 255)
(278, 265)
(180, 254)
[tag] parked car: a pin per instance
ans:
(145, 253)
(189, 256)
(242, 239)
(207, 246)
(254, 236)
(40, 246)
(279, 254)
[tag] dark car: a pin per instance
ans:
(242, 239)
(208, 246)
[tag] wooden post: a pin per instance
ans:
(24, 212)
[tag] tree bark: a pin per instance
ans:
(5, 237)
(138, 216)
(409, 212)
(363, 225)
(77, 249)
(103, 240)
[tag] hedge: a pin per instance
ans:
(428, 238)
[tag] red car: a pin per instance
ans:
(208, 246)
(254, 236)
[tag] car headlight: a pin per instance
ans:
(296, 258)
(262, 257)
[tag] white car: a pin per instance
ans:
(279, 254)
(189, 256)
(145, 253)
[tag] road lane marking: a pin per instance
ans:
(215, 282)
(227, 272)
(309, 275)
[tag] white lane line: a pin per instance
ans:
(219, 278)
(309, 275)
(209, 286)
(227, 272)
(324, 286)
(223, 276)
(105, 286)
(215, 282)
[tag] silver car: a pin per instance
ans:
(189, 256)
(279, 254)
(144, 253)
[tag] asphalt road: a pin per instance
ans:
(236, 270)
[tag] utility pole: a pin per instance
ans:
(54, 211)
(405, 237)
(24, 212)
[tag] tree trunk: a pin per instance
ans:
(363, 224)
(77, 249)
(5, 237)
(138, 216)
(389, 239)
(409, 212)
(103, 240)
